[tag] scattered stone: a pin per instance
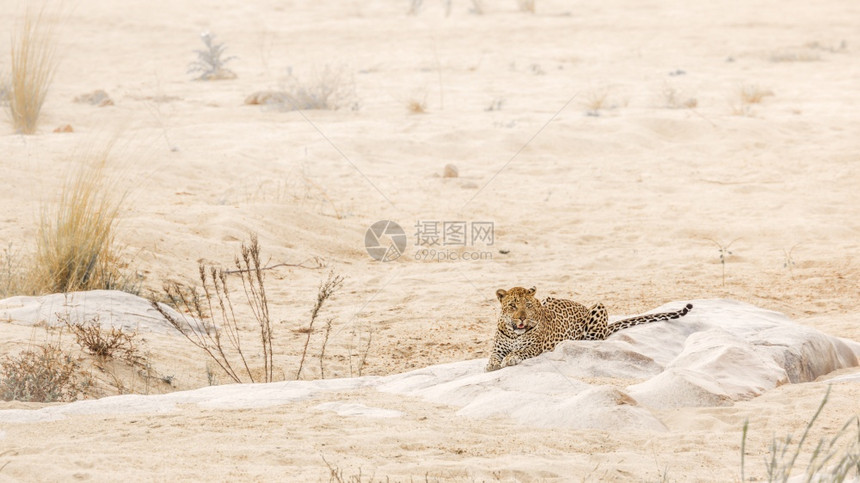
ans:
(97, 98)
(265, 97)
(451, 171)
(64, 128)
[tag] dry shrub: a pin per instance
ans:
(34, 61)
(104, 343)
(43, 374)
(75, 245)
(330, 89)
(222, 340)
(217, 331)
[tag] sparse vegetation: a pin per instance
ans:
(724, 254)
(596, 100)
(417, 106)
(834, 459)
(4, 90)
(42, 374)
(103, 343)
(675, 99)
(33, 63)
(788, 260)
(330, 89)
(222, 340)
(325, 291)
(748, 96)
(753, 94)
(526, 6)
(12, 281)
(361, 355)
(414, 7)
(793, 55)
(211, 63)
(495, 105)
(75, 244)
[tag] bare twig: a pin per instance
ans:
(322, 350)
(335, 474)
(317, 263)
(326, 290)
(363, 359)
(724, 254)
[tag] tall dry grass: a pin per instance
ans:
(33, 63)
(75, 245)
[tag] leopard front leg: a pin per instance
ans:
(597, 324)
(501, 348)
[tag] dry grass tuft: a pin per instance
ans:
(753, 94)
(747, 97)
(43, 374)
(34, 61)
(75, 244)
(835, 458)
(596, 100)
(415, 106)
(12, 275)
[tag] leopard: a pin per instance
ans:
(528, 328)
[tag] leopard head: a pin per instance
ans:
(521, 311)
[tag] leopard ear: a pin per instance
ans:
(532, 290)
(500, 293)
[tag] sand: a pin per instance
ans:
(570, 134)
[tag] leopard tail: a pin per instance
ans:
(645, 319)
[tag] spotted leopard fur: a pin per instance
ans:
(528, 328)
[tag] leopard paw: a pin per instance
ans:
(511, 360)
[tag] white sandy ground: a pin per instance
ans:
(721, 354)
(617, 208)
